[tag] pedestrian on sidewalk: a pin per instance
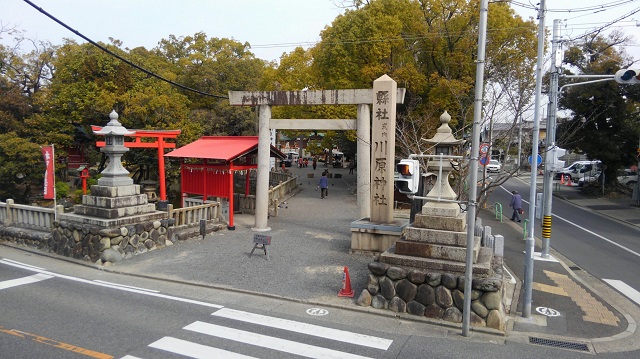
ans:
(516, 204)
(323, 183)
(315, 162)
(352, 165)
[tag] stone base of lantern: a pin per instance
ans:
(367, 236)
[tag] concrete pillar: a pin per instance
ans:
(262, 180)
(363, 171)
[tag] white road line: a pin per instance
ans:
(625, 289)
(24, 264)
(305, 328)
(590, 232)
(265, 341)
(130, 357)
(126, 289)
(513, 278)
(126, 286)
(193, 350)
(26, 280)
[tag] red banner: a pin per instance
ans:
(47, 153)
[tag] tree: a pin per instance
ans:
(603, 123)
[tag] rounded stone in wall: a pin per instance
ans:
(379, 302)
(364, 300)
(116, 240)
(124, 242)
(479, 308)
(492, 300)
(495, 320)
(154, 235)
(105, 242)
(162, 230)
(426, 295)
(378, 268)
(76, 236)
(449, 281)
(416, 277)
(161, 241)
(372, 284)
(109, 255)
(476, 321)
(415, 308)
(433, 311)
(396, 273)
(156, 224)
(387, 288)
(406, 290)
(149, 244)
(396, 304)
(452, 314)
(77, 250)
(475, 294)
(144, 236)
(434, 279)
(124, 231)
(443, 297)
(134, 240)
(148, 226)
(487, 284)
(458, 299)
(139, 228)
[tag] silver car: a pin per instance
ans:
(494, 166)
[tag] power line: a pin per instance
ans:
(120, 57)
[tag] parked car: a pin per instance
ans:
(494, 166)
(588, 179)
(628, 177)
(578, 169)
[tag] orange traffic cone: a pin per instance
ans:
(562, 179)
(569, 182)
(346, 285)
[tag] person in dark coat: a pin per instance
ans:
(516, 204)
(323, 183)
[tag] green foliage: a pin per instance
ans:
(22, 167)
(63, 189)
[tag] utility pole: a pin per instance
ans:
(549, 162)
(530, 241)
(473, 164)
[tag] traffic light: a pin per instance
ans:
(408, 176)
(628, 76)
(557, 152)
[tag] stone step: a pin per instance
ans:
(437, 251)
(112, 213)
(436, 236)
(483, 266)
(115, 202)
(455, 224)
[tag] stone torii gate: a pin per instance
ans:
(363, 98)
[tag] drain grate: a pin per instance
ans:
(559, 344)
(574, 268)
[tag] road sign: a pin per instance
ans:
(484, 148)
(539, 160)
(484, 160)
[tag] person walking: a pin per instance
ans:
(323, 183)
(516, 204)
(315, 163)
(352, 165)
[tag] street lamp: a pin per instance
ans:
(114, 174)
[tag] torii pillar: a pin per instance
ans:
(363, 98)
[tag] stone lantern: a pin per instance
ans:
(444, 143)
(115, 174)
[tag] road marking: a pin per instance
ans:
(193, 350)
(24, 264)
(548, 312)
(594, 310)
(317, 312)
(549, 289)
(589, 231)
(55, 343)
(265, 341)
(118, 287)
(126, 286)
(513, 278)
(305, 328)
(625, 289)
(26, 280)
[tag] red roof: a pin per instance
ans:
(220, 148)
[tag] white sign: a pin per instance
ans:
(548, 312)
(317, 312)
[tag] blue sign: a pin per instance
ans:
(539, 160)
(484, 160)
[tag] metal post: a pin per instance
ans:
(473, 164)
(530, 242)
(551, 142)
(519, 145)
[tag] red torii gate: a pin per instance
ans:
(159, 143)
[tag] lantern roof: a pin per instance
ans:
(443, 135)
(114, 127)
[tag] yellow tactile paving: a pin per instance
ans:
(549, 289)
(594, 311)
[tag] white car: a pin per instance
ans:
(494, 166)
(628, 178)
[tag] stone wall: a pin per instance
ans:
(434, 295)
(93, 243)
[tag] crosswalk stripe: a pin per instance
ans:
(305, 328)
(625, 289)
(26, 280)
(283, 345)
(194, 350)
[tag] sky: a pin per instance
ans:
(271, 27)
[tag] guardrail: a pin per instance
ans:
(30, 217)
(193, 214)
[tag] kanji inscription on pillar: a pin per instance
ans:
(383, 142)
